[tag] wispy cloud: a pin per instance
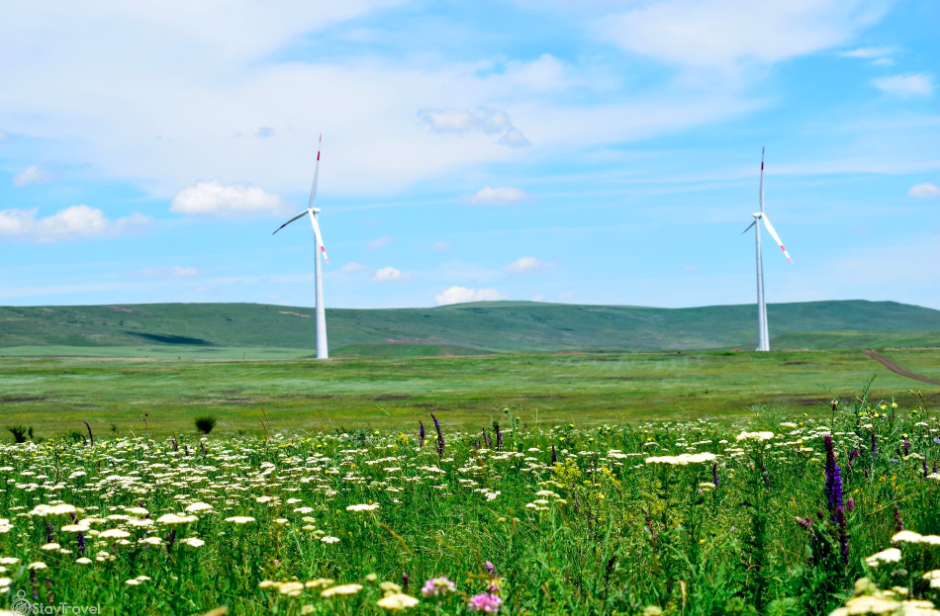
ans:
(878, 55)
(31, 175)
(352, 268)
(527, 265)
(380, 242)
(927, 190)
(912, 84)
(168, 272)
(731, 33)
(502, 195)
(73, 223)
(483, 119)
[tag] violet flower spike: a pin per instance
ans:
(440, 437)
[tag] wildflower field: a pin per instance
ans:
(774, 515)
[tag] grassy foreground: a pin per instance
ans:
(685, 518)
(56, 395)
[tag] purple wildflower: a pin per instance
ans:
(437, 587)
(487, 440)
(926, 468)
(91, 436)
(936, 440)
(421, 434)
(81, 543)
(850, 505)
(203, 447)
(806, 523)
(554, 455)
(833, 479)
(176, 446)
(843, 534)
(853, 456)
(499, 437)
(874, 445)
(484, 602)
(715, 474)
(490, 568)
(907, 447)
(898, 520)
(405, 581)
(440, 437)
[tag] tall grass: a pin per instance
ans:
(663, 517)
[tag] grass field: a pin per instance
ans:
(779, 516)
(55, 395)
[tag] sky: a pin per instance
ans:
(599, 151)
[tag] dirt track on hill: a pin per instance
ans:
(895, 368)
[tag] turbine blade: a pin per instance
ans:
(290, 221)
(773, 233)
(749, 227)
(762, 180)
(316, 174)
(319, 238)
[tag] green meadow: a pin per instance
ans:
(56, 394)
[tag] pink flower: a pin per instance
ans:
(438, 586)
(485, 602)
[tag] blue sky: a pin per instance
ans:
(591, 152)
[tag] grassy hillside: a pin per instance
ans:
(212, 330)
(858, 340)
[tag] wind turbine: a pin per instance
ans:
(763, 336)
(313, 213)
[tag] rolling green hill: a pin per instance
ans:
(217, 330)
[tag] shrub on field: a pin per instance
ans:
(20, 433)
(205, 424)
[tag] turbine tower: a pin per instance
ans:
(763, 335)
(313, 213)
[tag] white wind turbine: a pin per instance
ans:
(313, 213)
(763, 336)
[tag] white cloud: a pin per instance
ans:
(265, 132)
(214, 199)
(514, 138)
(3, 136)
(484, 119)
(502, 195)
(927, 190)
(538, 298)
(352, 267)
(913, 84)
(169, 272)
(387, 274)
(566, 295)
(381, 242)
(527, 265)
(111, 110)
(184, 272)
(72, 223)
(880, 55)
(440, 246)
(32, 175)
(727, 33)
(462, 295)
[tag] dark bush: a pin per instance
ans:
(205, 424)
